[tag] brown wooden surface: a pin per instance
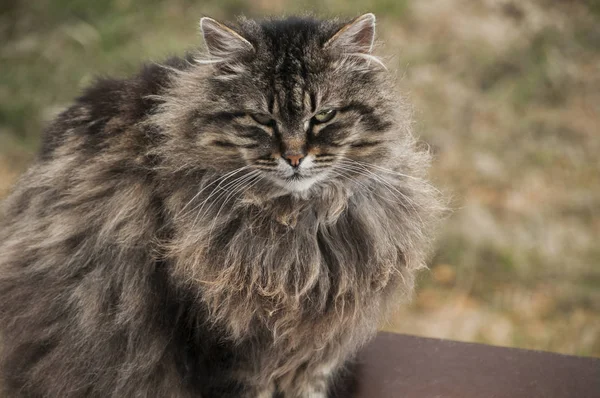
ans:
(413, 367)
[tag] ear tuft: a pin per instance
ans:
(355, 37)
(223, 42)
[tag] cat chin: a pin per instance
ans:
(298, 186)
(301, 185)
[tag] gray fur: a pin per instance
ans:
(159, 246)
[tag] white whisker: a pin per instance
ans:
(219, 192)
(242, 186)
(395, 172)
(359, 169)
(220, 180)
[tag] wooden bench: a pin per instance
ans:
(399, 366)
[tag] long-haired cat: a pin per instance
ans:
(234, 223)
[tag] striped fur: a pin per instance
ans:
(160, 245)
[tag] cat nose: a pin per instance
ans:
(294, 159)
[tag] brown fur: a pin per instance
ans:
(156, 249)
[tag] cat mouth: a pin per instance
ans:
(295, 177)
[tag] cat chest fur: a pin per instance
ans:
(292, 264)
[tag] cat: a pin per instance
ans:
(232, 223)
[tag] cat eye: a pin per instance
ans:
(262, 118)
(324, 116)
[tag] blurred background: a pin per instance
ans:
(506, 92)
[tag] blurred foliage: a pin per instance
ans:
(506, 92)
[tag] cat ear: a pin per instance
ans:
(355, 37)
(221, 41)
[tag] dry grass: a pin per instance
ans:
(507, 93)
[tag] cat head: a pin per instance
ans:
(297, 101)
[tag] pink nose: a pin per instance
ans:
(294, 160)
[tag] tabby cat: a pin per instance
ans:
(233, 223)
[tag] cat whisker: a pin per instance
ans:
(386, 184)
(349, 175)
(242, 186)
(342, 173)
(366, 172)
(221, 179)
(395, 172)
(220, 192)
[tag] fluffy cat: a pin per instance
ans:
(234, 223)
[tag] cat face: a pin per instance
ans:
(299, 101)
